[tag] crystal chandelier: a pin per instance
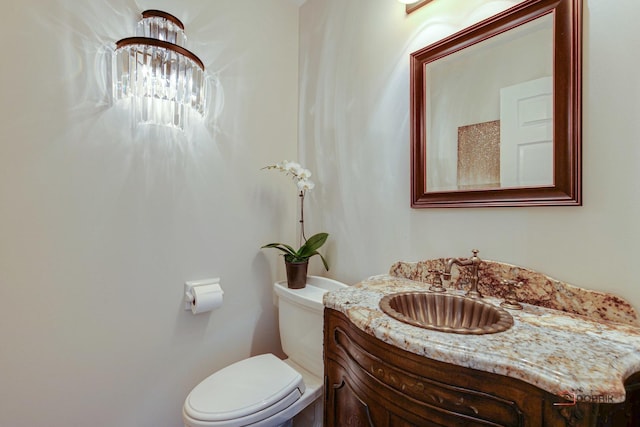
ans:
(163, 82)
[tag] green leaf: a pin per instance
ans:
(283, 247)
(324, 261)
(312, 244)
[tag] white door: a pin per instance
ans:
(526, 134)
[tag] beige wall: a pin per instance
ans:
(100, 228)
(354, 125)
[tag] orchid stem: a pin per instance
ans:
(303, 238)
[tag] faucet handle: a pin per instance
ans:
(436, 286)
(511, 301)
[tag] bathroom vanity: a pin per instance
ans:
(571, 357)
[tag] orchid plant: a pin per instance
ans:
(309, 247)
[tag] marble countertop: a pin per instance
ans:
(556, 351)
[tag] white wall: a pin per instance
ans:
(354, 125)
(100, 227)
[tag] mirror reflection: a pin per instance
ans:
(489, 112)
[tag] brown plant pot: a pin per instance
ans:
(296, 274)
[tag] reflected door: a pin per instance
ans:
(526, 134)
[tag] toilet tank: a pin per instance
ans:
(301, 321)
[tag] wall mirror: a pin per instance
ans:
(496, 111)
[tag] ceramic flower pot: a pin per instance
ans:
(296, 274)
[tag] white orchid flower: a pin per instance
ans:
(282, 166)
(305, 174)
(293, 168)
(305, 185)
(300, 174)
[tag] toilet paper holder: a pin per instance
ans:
(188, 289)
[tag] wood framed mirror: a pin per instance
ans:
(496, 112)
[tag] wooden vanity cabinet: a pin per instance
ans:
(371, 383)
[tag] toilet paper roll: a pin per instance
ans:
(206, 298)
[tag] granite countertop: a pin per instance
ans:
(558, 351)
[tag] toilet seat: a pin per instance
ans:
(243, 393)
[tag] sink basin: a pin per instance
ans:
(446, 312)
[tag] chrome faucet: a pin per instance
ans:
(474, 262)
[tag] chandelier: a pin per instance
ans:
(162, 81)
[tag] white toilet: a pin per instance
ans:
(264, 390)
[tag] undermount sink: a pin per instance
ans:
(446, 312)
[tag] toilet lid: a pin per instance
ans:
(243, 389)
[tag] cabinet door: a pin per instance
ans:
(345, 406)
(348, 404)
